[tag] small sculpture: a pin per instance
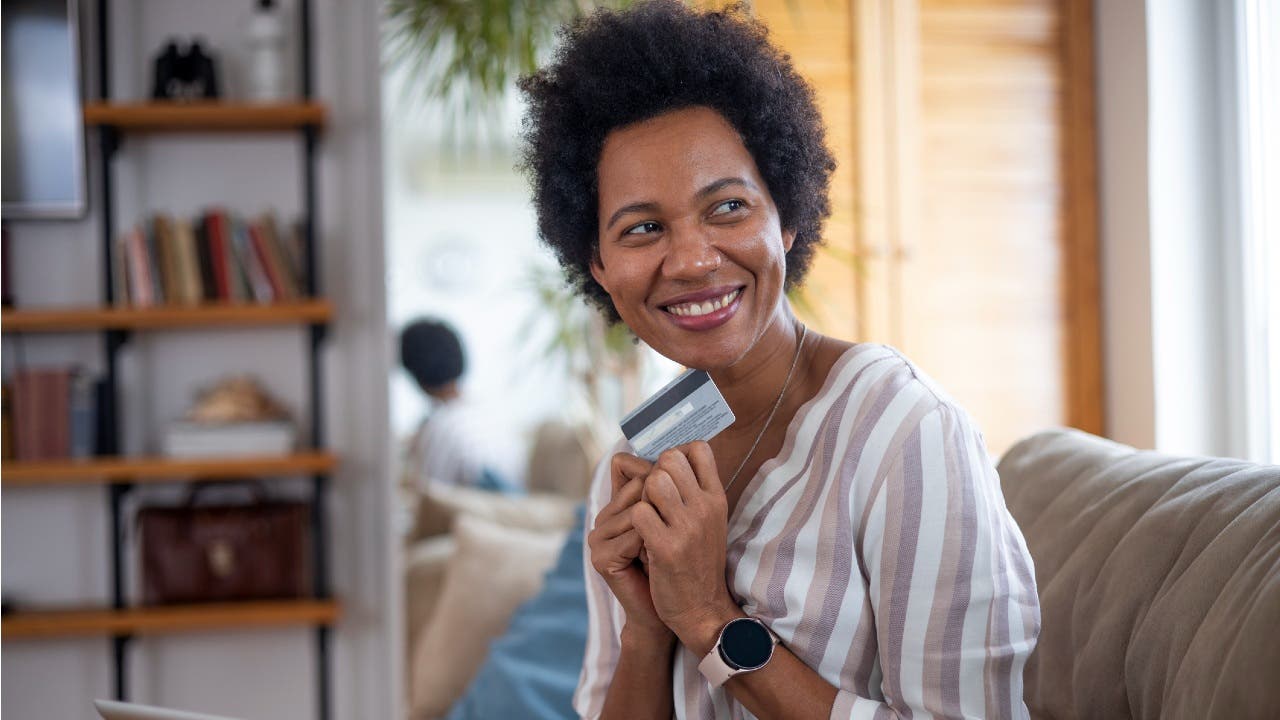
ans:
(184, 75)
(236, 399)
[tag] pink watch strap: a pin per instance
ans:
(715, 669)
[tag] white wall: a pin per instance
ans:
(55, 544)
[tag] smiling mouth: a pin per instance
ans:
(706, 307)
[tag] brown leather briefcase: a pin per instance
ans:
(194, 553)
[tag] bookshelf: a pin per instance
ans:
(204, 116)
(114, 122)
(61, 623)
(162, 317)
(163, 469)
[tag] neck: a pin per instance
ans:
(445, 393)
(751, 385)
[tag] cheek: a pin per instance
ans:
(619, 274)
(763, 254)
(776, 246)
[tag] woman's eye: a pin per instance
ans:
(728, 206)
(643, 228)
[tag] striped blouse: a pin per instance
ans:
(877, 546)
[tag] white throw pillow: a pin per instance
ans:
(442, 504)
(493, 571)
(425, 568)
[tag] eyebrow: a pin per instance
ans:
(649, 205)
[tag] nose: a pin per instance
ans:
(690, 254)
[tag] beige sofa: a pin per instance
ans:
(1159, 580)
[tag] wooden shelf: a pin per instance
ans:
(204, 116)
(167, 619)
(153, 469)
(176, 316)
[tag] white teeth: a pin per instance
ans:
(703, 308)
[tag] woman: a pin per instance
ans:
(843, 549)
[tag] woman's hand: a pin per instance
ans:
(683, 522)
(616, 546)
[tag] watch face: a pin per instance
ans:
(746, 644)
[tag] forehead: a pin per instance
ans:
(676, 153)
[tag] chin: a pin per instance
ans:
(702, 354)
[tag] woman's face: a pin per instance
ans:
(690, 246)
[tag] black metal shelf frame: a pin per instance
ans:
(114, 340)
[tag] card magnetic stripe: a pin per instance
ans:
(647, 415)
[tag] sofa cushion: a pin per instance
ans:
(1159, 579)
(532, 670)
(440, 505)
(425, 565)
(493, 570)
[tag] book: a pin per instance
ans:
(6, 422)
(208, 283)
(238, 279)
(167, 257)
(56, 435)
(259, 282)
(104, 405)
(41, 413)
(151, 254)
(261, 249)
(277, 256)
(214, 256)
(297, 247)
(196, 439)
(141, 285)
(190, 285)
(218, 253)
(83, 419)
(26, 415)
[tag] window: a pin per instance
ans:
(1251, 105)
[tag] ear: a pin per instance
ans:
(788, 239)
(597, 270)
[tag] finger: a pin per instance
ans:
(624, 498)
(648, 523)
(663, 495)
(614, 525)
(677, 466)
(621, 550)
(703, 462)
(625, 467)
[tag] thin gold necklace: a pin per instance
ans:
(804, 330)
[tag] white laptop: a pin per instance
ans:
(114, 710)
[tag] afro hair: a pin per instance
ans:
(615, 68)
(432, 353)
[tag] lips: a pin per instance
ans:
(706, 309)
(696, 308)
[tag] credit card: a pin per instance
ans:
(689, 408)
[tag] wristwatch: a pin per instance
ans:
(745, 644)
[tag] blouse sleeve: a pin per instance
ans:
(950, 580)
(605, 617)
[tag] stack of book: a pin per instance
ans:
(195, 439)
(216, 257)
(54, 414)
